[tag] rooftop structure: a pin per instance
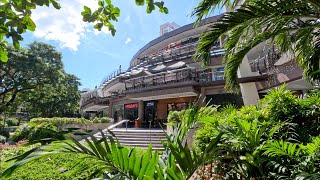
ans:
(168, 27)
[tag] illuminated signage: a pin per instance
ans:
(131, 106)
(150, 104)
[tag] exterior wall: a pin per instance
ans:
(162, 105)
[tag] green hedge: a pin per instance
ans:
(58, 121)
(36, 132)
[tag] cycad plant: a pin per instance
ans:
(276, 139)
(292, 25)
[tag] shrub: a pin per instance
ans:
(175, 116)
(101, 120)
(3, 123)
(279, 137)
(36, 132)
(42, 131)
(2, 139)
(4, 133)
(12, 121)
(57, 121)
(21, 133)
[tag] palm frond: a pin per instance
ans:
(292, 26)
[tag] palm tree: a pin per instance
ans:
(293, 26)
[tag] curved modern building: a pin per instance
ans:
(162, 76)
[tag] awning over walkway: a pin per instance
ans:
(177, 65)
(158, 68)
(95, 108)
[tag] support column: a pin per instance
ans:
(110, 110)
(249, 90)
(202, 98)
(141, 113)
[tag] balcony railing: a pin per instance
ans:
(111, 76)
(181, 75)
(263, 64)
(211, 76)
(171, 54)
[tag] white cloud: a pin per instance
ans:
(65, 25)
(128, 40)
(103, 30)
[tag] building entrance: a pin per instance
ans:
(150, 115)
(131, 113)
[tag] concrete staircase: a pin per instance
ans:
(137, 137)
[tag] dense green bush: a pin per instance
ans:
(21, 133)
(57, 121)
(101, 120)
(2, 139)
(36, 132)
(56, 166)
(279, 137)
(175, 116)
(3, 123)
(12, 121)
(4, 133)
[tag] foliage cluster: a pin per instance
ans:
(58, 121)
(12, 121)
(53, 166)
(37, 132)
(56, 166)
(278, 138)
(4, 133)
(175, 116)
(17, 18)
(8, 153)
(254, 142)
(34, 78)
(292, 26)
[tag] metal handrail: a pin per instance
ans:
(113, 74)
(161, 73)
(119, 123)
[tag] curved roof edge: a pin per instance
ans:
(174, 33)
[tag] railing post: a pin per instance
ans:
(126, 125)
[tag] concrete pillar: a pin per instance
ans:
(202, 98)
(249, 93)
(249, 90)
(141, 112)
(110, 110)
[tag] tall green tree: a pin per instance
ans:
(54, 100)
(16, 18)
(29, 68)
(292, 25)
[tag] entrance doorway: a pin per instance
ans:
(150, 115)
(131, 113)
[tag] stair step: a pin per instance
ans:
(137, 137)
(141, 145)
(132, 132)
(140, 142)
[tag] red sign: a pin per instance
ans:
(131, 106)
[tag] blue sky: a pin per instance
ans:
(92, 55)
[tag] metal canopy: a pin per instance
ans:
(95, 108)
